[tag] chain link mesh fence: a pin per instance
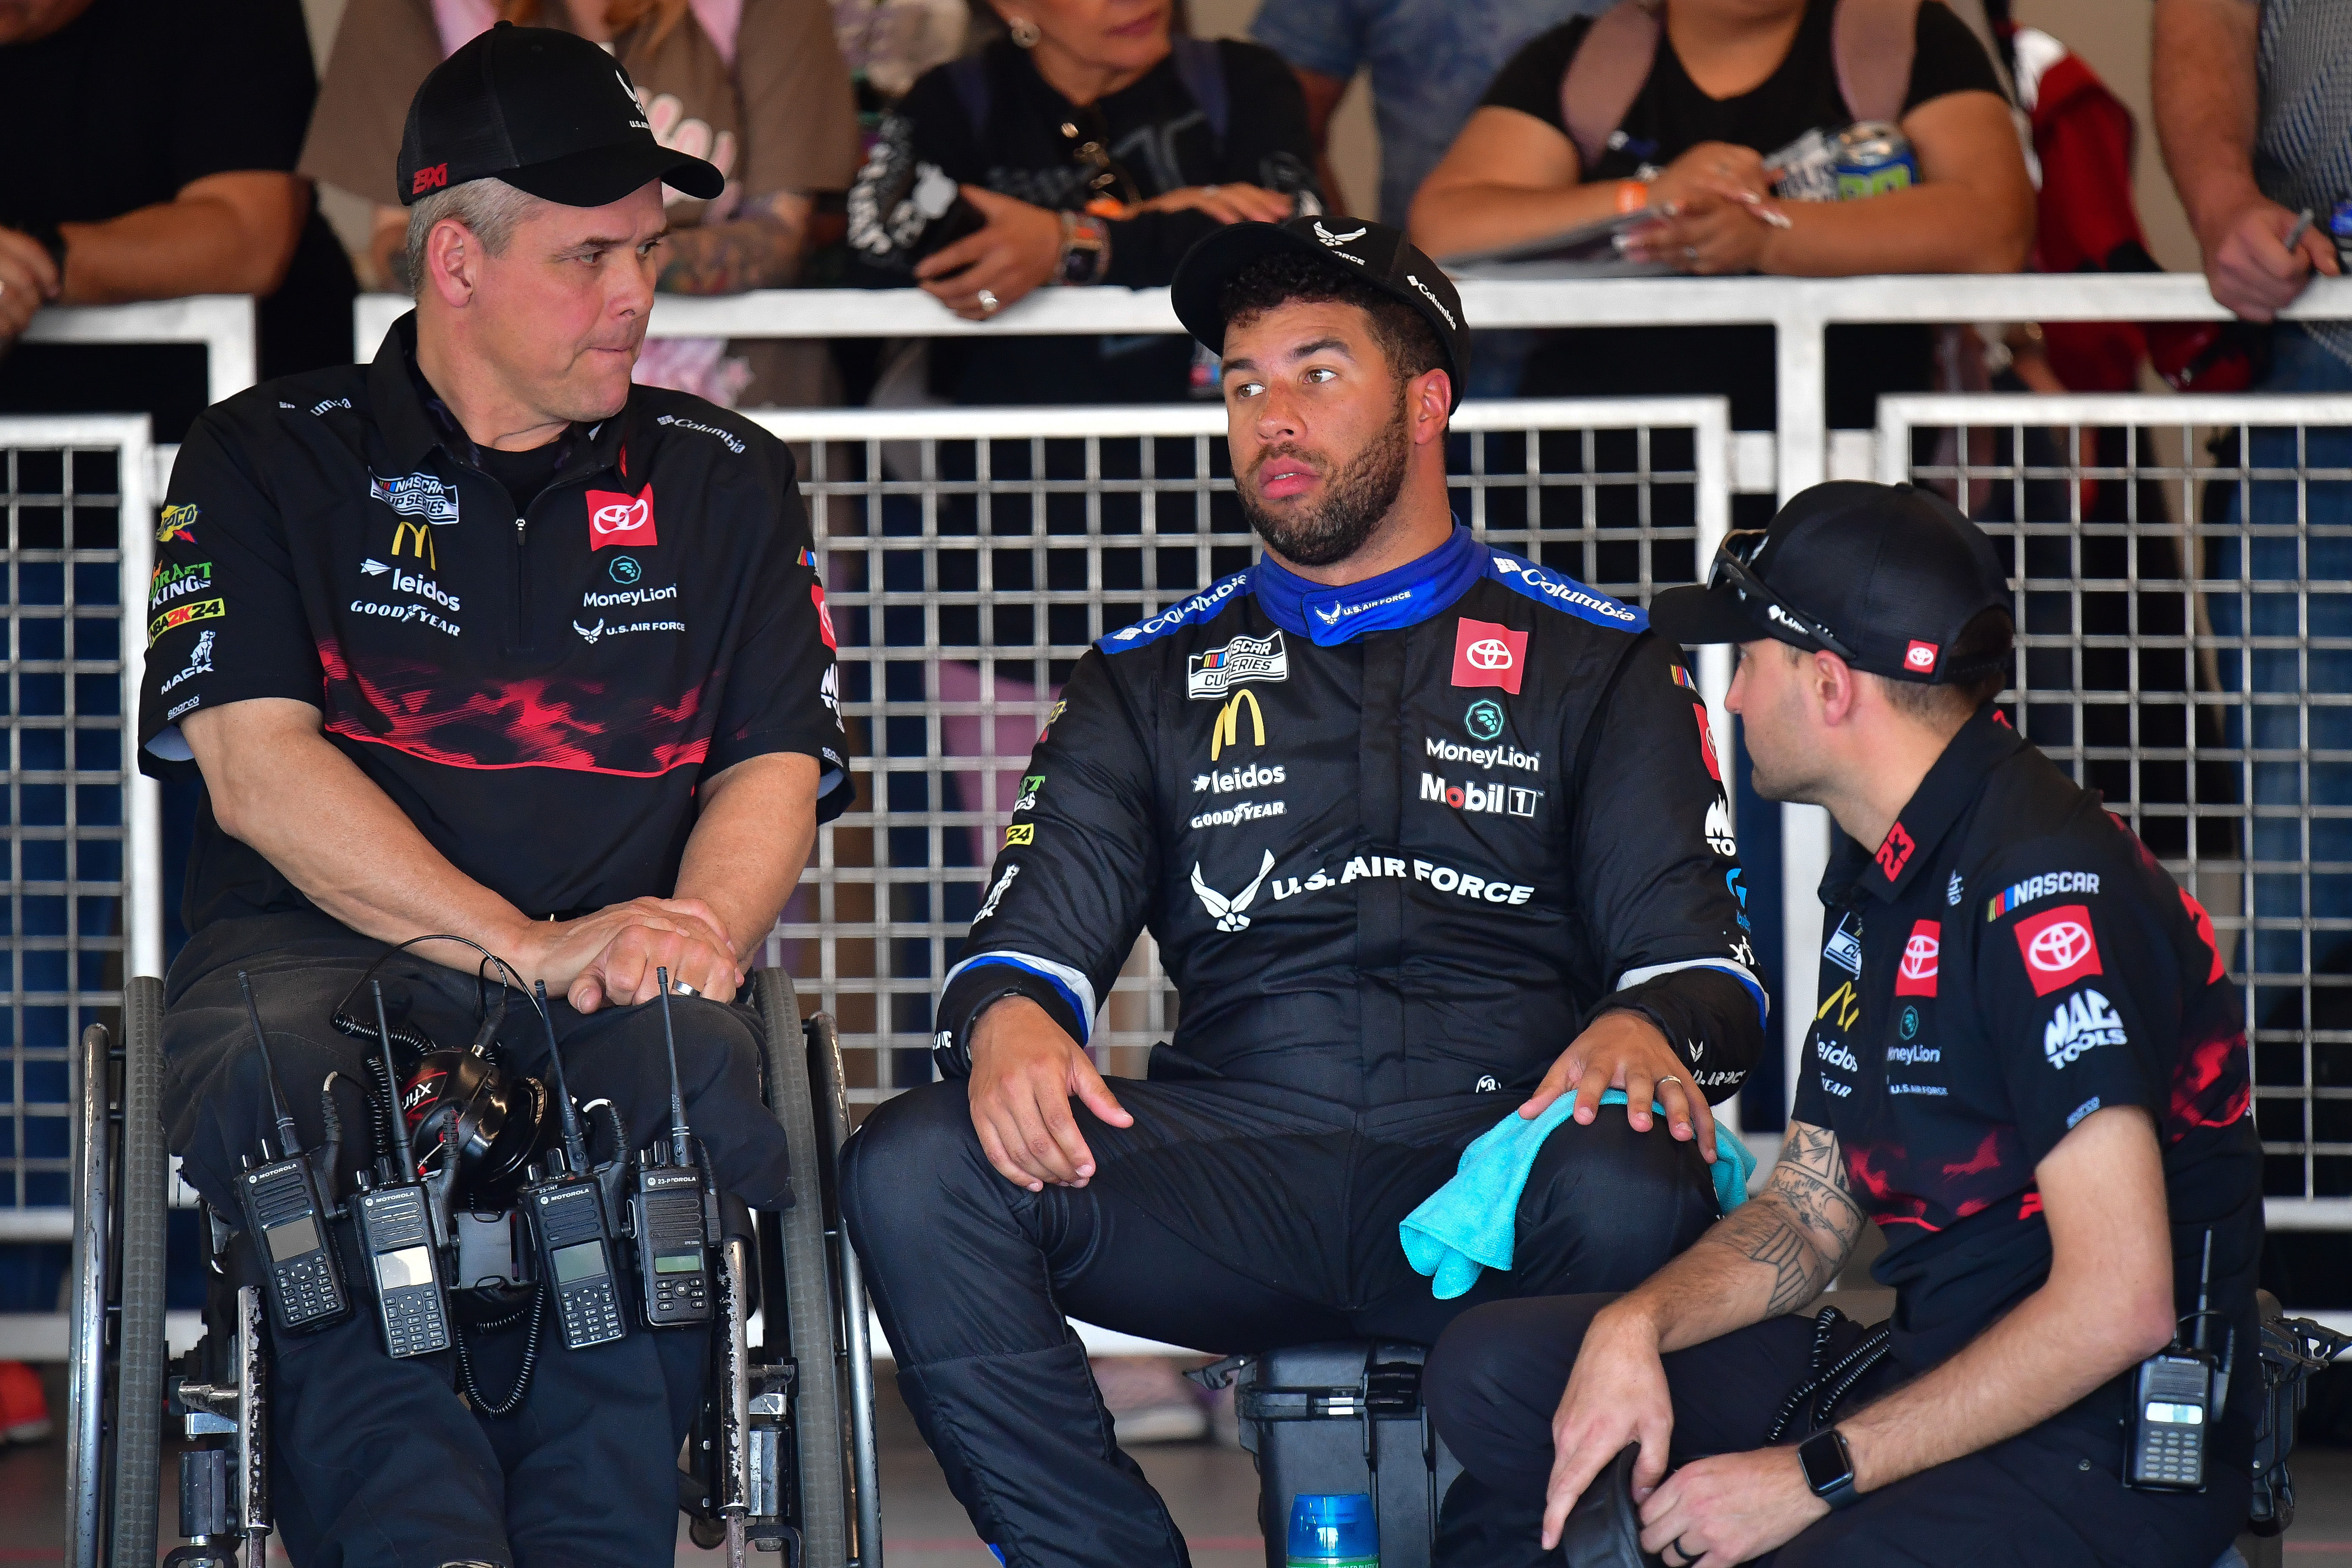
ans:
(970, 557)
(69, 488)
(2184, 601)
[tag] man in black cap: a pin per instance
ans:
(2052, 1129)
(1428, 833)
(482, 641)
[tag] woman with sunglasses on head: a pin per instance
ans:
(1085, 146)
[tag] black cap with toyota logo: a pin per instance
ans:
(1377, 254)
(1884, 577)
(548, 112)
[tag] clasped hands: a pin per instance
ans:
(610, 956)
(1716, 215)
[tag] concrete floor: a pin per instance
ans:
(1211, 1491)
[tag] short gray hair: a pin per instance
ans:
(491, 210)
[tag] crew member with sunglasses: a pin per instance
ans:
(2029, 1067)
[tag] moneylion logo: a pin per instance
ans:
(1228, 911)
(1227, 730)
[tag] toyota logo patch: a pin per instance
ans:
(1915, 975)
(1486, 654)
(1489, 653)
(2059, 947)
(616, 518)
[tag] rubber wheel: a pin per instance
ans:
(139, 1382)
(810, 1317)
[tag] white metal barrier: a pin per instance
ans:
(1781, 462)
(85, 854)
(2183, 572)
(224, 324)
(970, 557)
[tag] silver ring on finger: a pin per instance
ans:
(988, 304)
(680, 988)
(1667, 1079)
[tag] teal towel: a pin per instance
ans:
(1471, 1222)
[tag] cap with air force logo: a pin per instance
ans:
(548, 112)
(1884, 575)
(1374, 252)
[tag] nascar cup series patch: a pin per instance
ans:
(1208, 676)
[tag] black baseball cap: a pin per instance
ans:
(1374, 252)
(1884, 577)
(545, 110)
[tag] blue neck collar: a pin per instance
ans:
(1405, 597)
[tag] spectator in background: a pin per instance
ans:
(1431, 62)
(1730, 81)
(756, 87)
(152, 145)
(1090, 148)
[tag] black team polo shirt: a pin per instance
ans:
(2009, 960)
(538, 657)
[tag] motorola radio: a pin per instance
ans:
(2177, 1396)
(401, 1232)
(672, 1218)
(565, 1199)
(286, 1213)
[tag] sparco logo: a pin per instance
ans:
(1483, 756)
(1836, 1055)
(2082, 1021)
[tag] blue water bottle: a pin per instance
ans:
(1333, 1530)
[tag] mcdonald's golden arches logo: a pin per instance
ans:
(1228, 729)
(409, 529)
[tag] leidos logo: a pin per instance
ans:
(1227, 730)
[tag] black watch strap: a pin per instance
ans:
(1828, 1469)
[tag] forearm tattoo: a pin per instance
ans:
(1805, 1223)
(756, 252)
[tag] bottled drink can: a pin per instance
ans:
(1333, 1530)
(1873, 158)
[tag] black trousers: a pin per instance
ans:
(2048, 1498)
(376, 1463)
(1231, 1217)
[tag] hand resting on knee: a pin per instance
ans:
(1024, 1069)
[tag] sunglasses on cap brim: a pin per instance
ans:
(1733, 569)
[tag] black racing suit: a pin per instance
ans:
(1398, 844)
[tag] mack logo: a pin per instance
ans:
(1208, 676)
(1472, 796)
(2083, 1022)
(996, 894)
(417, 495)
(1255, 776)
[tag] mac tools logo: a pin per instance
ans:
(1486, 654)
(1207, 675)
(615, 519)
(2084, 1021)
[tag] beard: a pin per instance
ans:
(1355, 498)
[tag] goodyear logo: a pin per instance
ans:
(182, 615)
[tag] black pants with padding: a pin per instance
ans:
(2048, 1498)
(376, 1463)
(1232, 1217)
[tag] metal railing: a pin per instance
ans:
(223, 323)
(2183, 579)
(970, 557)
(84, 856)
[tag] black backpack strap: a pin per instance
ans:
(1200, 66)
(968, 77)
